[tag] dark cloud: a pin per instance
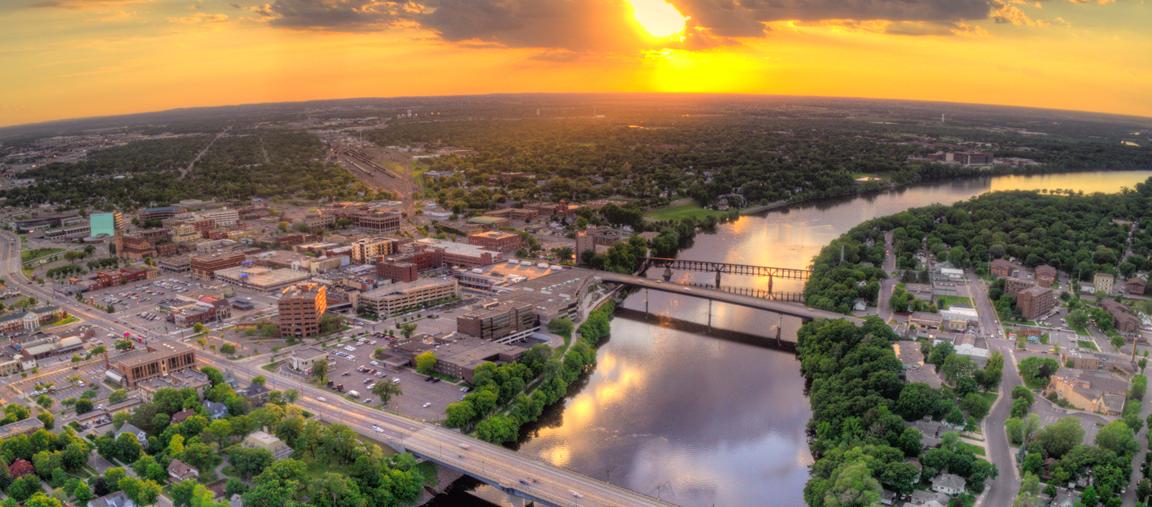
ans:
(335, 15)
(743, 18)
(583, 25)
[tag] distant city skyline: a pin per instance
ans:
(78, 58)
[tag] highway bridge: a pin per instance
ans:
(726, 268)
(801, 312)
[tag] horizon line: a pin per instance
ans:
(49, 122)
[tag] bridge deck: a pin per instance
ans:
(727, 268)
(790, 309)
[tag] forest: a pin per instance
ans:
(1076, 233)
(258, 163)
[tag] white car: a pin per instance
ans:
(377, 429)
(321, 399)
(427, 404)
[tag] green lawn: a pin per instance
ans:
(65, 321)
(1087, 344)
(949, 301)
(682, 211)
(37, 253)
(979, 451)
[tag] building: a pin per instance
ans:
(380, 221)
(368, 250)
(117, 499)
(958, 318)
(1127, 322)
(1136, 285)
(222, 217)
(159, 213)
(204, 267)
(215, 410)
(926, 320)
(29, 320)
(1002, 268)
(135, 367)
(594, 238)
(302, 359)
(180, 471)
(1013, 285)
(134, 247)
(268, 442)
(499, 241)
(105, 224)
(181, 379)
(260, 278)
(949, 484)
(459, 358)
(301, 309)
(178, 264)
(1035, 301)
(407, 268)
(1045, 275)
(394, 299)
(1103, 283)
(459, 254)
(130, 429)
(504, 321)
(1091, 391)
(68, 231)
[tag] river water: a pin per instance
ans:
(698, 421)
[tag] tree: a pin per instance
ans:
(1060, 437)
(199, 328)
(249, 462)
(386, 390)
(83, 406)
(852, 485)
(142, 492)
(1036, 370)
(228, 349)
(916, 401)
(320, 371)
(459, 414)
(1117, 437)
(24, 487)
(127, 448)
(181, 493)
(41, 500)
(425, 362)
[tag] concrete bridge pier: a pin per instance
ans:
(717, 278)
(516, 501)
(710, 314)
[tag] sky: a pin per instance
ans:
(78, 58)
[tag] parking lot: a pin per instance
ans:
(137, 303)
(356, 370)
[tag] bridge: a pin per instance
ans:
(722, 268)
(801, 312)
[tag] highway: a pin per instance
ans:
(791, 309)
(513, 473)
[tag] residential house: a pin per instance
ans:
(215, 410)
(949, 484)
(179, 471)
(140, 435)
(264, 440)
(117, 499)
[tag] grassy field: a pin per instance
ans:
(681, 211)
(37, 253)
(949, 301)
(1087, 344)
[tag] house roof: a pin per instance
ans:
(952, 481)
(181, 469)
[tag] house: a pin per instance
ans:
(117, 499)
(255, 393)
(1045, 275)
(141, 436)
(215, 410)
(1002, 268)
(180, 471)
(926, 320)
(1097, 392)
(182, 416)
(1136, 285)
(264, 440)
(927, 499)
(949, 484)
(958, 318)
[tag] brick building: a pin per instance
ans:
(1045, 275)
(134, 367)
(204, 267)
(1002, 268)
(1035, 301)
(1127, 322)
(500, 241)
(301, 308)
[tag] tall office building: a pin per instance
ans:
(105, 224)
(302, 307)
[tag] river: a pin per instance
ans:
(698, 421)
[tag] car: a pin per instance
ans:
(377, 429)
(427, 404)
(321, 399)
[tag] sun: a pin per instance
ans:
(658, 17)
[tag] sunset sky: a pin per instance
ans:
(74, 58)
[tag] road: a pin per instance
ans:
(493, 464)
(1003, 489)
(888, 284)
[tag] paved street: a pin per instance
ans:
(1002, 490)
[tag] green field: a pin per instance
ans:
(950, 301)
(682, 211)
(1087, 344)
(37, 253)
